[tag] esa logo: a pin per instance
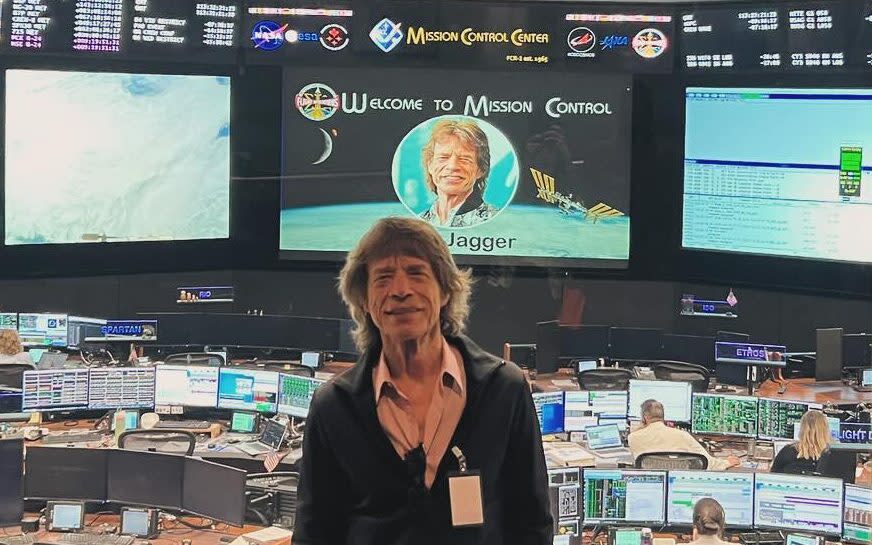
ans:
(270, 36)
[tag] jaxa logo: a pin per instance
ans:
(386, 35)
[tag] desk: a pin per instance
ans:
(174, 535)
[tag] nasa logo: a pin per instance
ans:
(268, 35)
(650, 43)
(612, 41)
(334, 37)
(581, 40)
(317, 102)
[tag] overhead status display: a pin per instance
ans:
(789, 36)
(172, 29)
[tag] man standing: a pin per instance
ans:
(385, 440)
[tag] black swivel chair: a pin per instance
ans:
(680, 371)
(841, 464)
(196, 358)
(12, 374)
(672, 461)
(605, 378)
(165, 441)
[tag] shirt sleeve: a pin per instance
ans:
(785, 456)
(714, 464)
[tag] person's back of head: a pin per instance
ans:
(708, 518)
(814, 435)
(10, 342)
(652, 411)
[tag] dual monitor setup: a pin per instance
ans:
(818, 505)
(71, 477)
(56, 330)
(166, 387)
(707, 413)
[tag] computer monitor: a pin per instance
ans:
(777, 418)
(10, 400)
(733, 490)
(605, 436)
(36, 354)
(584, 342)
(243, 422)
(857, 350)
(689, 348)
(215, 491)
(793, 538)
(55, 390)
(295, 394)
(186, 386)
(547, 346)
(624, 496)
(621, 423)
(866, 378)
(853, 432)
(121, 388)
(132, 479)
(248, 389)
(675, 397)
(724, 415)
(549, 410)
(80, 328)
(583, 408)
(635, 343)
(9, 320)
(797, 502)
(66, 474)
(625, 536)
(43, 329)
(11, 470)
(858, 514)
(64, 516)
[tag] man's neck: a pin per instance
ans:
(446, 203)
(417, 360)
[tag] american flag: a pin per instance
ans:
(272, 460)
(732, 300)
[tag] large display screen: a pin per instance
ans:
(129, 157)
(528, 169)
(782, 172)
(170, 29)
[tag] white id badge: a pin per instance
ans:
(464, 492)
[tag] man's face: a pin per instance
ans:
(454, 166)
(403, 298)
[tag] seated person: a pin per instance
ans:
(11, 350)
(802, 457)
(656, 436)
(865, 477)
(708, 523)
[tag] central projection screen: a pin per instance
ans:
(516, 168)
(781, 172)
(115, 157)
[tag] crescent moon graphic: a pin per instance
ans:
(328, 147)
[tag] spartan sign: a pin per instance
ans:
(545, 185)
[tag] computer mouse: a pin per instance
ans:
(232, 441)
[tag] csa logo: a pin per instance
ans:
(650, 43)
(334, 37)
(386, 35)
(317, 102)
(581, 40)
(268, 35)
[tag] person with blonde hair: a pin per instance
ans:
(11, 350)
(457, 165)
(708, 522)
(423, 402)
(802, 457)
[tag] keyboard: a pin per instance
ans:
(182, 425)
(253, 449)
(73, 438)
(761, 537)
(25, 539)
(94, 539)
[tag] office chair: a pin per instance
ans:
(680, 371)
(196, 358)
(166, 441)
(841, 464)
(12, 374)
(604, 378)
(671, 461)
